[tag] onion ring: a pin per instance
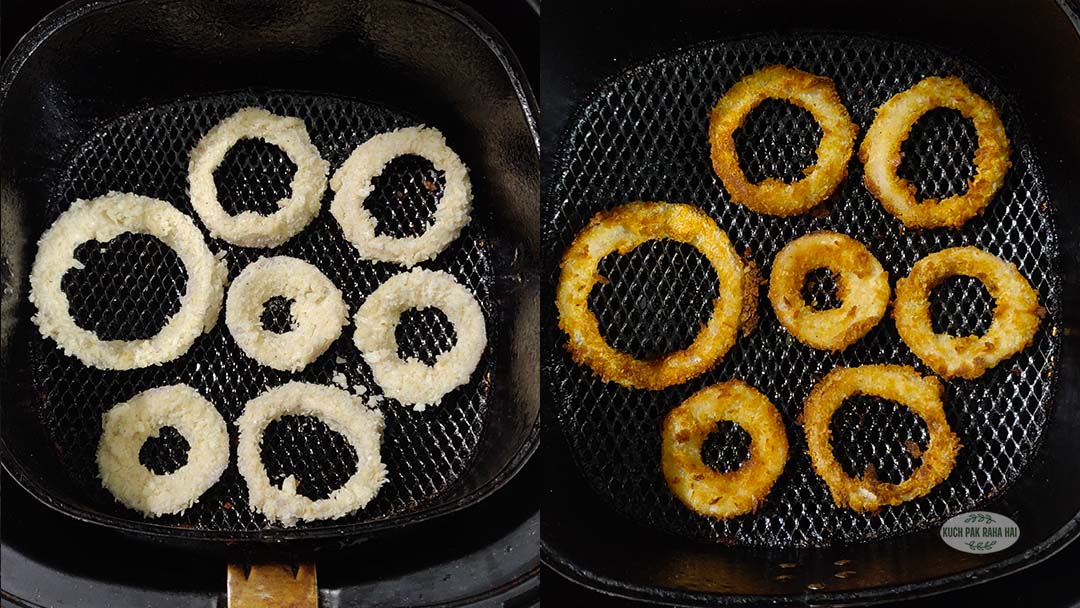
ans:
(352, 184)
(898, 383)
(318, 309)
(127, 426)
(249, 228)
(412, 381)
(862, 285)
(699, 486)
(103, 219)
(621, 230)
(880, 153)
(1017, 313)
(342, 413)
(816, 94)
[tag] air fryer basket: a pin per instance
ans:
(156, 77)
(641, 136)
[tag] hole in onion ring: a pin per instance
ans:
(874, 436)
(655, 299)
(939, 154)
(961, 306)
(424, 334)
(277, 315)
(726, 448)
(135, 273)
(819, 290)
(165, 453)
(320, 459)
(404, 196)
(777, 139)
(254, 176)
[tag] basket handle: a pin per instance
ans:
(272, 586)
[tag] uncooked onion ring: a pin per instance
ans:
(127, 426)
(103, 219)
(861, 283)
(621, 230)
(249, 228)
(318, 310)
(903, 385)
(816, 94)
(352, 184)
(699, 486)
(1017, 312)
(344, 414)
(412, 381)
(881, 155)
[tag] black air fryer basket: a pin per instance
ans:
(628, 120)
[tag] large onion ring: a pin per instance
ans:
(352, 183)
(880, 153)
(816, 94)
(103, 219)
(248, 228)
(342, 413)
(621, 230)
(412, 381)
(1017, 312)
(696, 484)
(901, 384)
(127, 426)
(861, 283)
(318, 309)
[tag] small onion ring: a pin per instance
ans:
(898, 383)
(103, 219)
(412, 381)
(127, 426)
(249, 228)
(352, 184)
(318, 309)
(880, 153)
(699, 486)
(621, 230)
(862, 285)
(816, 94)
(342, 413)
(1017, 312)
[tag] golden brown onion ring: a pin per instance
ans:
(880, 152)
(815, 94)
(898, 383)
(699, 486)
(621, 230)
(1017, 312)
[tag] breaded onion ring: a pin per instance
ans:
(249, 228)
(318, 310)
(862, 286)
(1017, 312)
(342, 413)
(816, 94)
(352, 184)
(621, 230)
(880, 153)
(412, 381)
(699, 486)
(127, 426)
(898, 383)
(103, 219)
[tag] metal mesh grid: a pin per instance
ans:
(147, 153)
(642, 136)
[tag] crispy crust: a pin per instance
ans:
(815, 94)
(702, 488)
(880, 153)
(621, 230)
(895, 383)
(862, 283)
(1017, 313)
